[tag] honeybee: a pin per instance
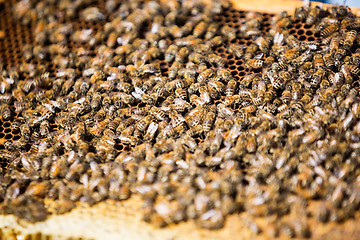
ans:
(263, 44)
(217, 85)
(254, 63)
(208, 121)
(204, 94)
(176, 118)
(283, 23)
(5, 112)
(211, 31)
(44, 128)
(339, 54)
(301, 13)
(151, 131)
(224, 74)
(197, 58)
(329, 30)
(349, 39)
(235, 50)
(228, 32)
(157, 113)
(203, 76)
(181, 93)
(329, 61)
(356, 57)
(250, 51)
(313, 15)
(182, 54)
(319, 61)
(200, 29)
(230, 88)
(216, 60)
(170, 53)
(215, 41)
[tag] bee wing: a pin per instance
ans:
(278, 38)
(153, 127)
(259, 56)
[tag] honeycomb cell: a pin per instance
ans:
(309, 33)
(8, 136)
(240, 68)
(300, 32)
(7, 124)
(310, 39)
(7, 130)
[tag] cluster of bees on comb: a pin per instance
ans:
(149, 105)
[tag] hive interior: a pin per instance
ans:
(11, 54)
(17, 35)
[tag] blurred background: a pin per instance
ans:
(350, 3)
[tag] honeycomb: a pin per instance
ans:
(17, 35)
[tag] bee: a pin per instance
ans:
(329, 30)
(230, 88)
(346, 71)
(144, 123)
(334, 44)
(224, 74)
(124, 87)
(204, 94)
(200, 29)
(349, 39)
(196, 58)
(211, 31)
(157, 113)
(203, 76)
(228, 32)
(319, 61)
(232, 100)
(317, 77)
(339, 54)
(329, 61)
(283, 22)
(176, 118)
(215, 41)
(247, 80)
(235, 50)
(356, 57)
(217, 85)
(99, 127)
(250, 51)
(5, 112)
(182, 54)
(151, 131)
(181, 93)
(254, 63)
(170, 53)
(196, 100)
(313, 15)
(213, 92)
(263, 44)
(301, 13)
(216, 60)
(114, 124)
(44, 128)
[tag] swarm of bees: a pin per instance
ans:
(146, 105)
